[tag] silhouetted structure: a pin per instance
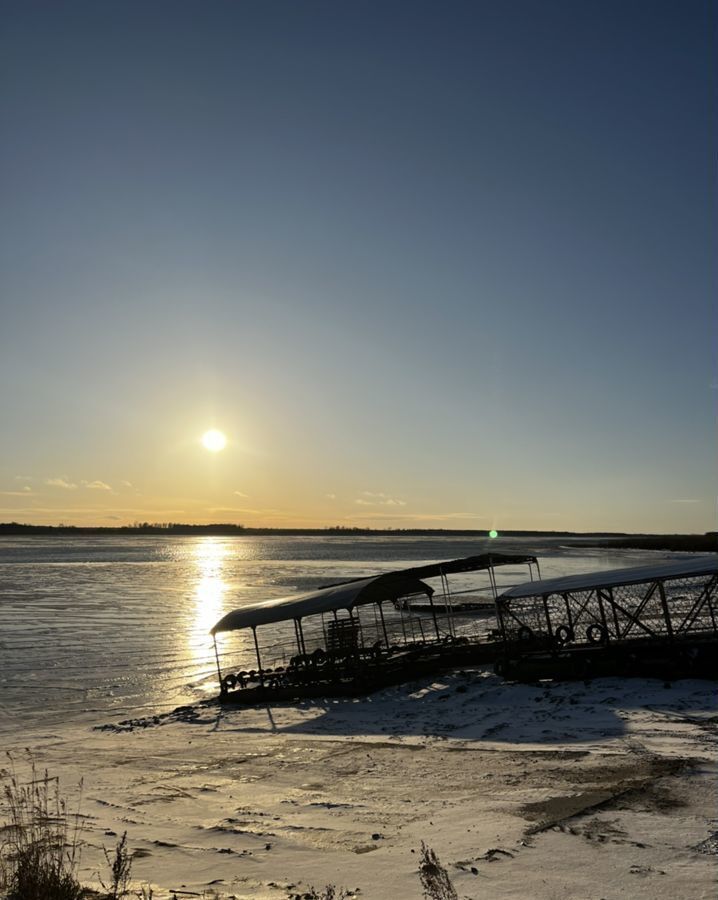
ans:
(639, 620)
(355, 636)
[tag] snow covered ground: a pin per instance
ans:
(576, 790)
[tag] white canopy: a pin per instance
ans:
(343, 596)
(684, 568)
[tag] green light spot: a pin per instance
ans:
(493, 534)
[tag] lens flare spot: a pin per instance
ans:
(493, 534)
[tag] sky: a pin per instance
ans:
(424, 264)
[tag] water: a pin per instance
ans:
(99, 628)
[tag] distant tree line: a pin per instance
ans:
(694, 543)
(230, 528)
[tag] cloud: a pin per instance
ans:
(25, 492)
(67, 485)
(685, 501)
(330, 496)
(24, 478)
(412, 517)
(378, 498)
(72, 512)
(240, 494)
(248, 510)
(97, 485)
(127, 484)
(62, 482)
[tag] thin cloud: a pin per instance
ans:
(378, 498)
(689, 500)
(63, 483)
(97, 485)
(127, 484)
(240, 494)
(330, 496)
(27, 491)
(94, 510)
(411, 517)
(248, 511)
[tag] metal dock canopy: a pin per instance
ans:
(367, 631)
(479, 563)
(660, 601)
(347, 596)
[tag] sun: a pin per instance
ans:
(214, 440)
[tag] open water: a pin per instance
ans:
(103, 628)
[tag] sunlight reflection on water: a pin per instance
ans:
(210, 556)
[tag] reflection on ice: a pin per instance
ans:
(210, 558)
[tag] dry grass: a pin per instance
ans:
(330, 892)
(120, 865)
(40, 841)
(434, 877)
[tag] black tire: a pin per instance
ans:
(525, 633)
(596, 634)
(228, 682)
(563, 635)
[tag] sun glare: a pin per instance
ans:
(214, 440)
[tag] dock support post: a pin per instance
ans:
(449, 603)
(222, 690)
(666, 611)
(433, 616)
(383, 624)
(259, 658)
(492, 580)
(502, 624)
(297, 637)
(300, 630)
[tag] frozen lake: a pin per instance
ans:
(93, 628)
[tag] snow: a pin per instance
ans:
(583, 790)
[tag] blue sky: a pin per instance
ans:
(425, 264)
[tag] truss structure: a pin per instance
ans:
(665, 605)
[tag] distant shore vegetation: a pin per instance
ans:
(696, 543)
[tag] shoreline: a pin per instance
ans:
(687, 543)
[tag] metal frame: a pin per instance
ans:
(298, 649)
(661, 608)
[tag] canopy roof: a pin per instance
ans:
(469, 564)
(343, 596)
(454, 566)
(704, 565)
